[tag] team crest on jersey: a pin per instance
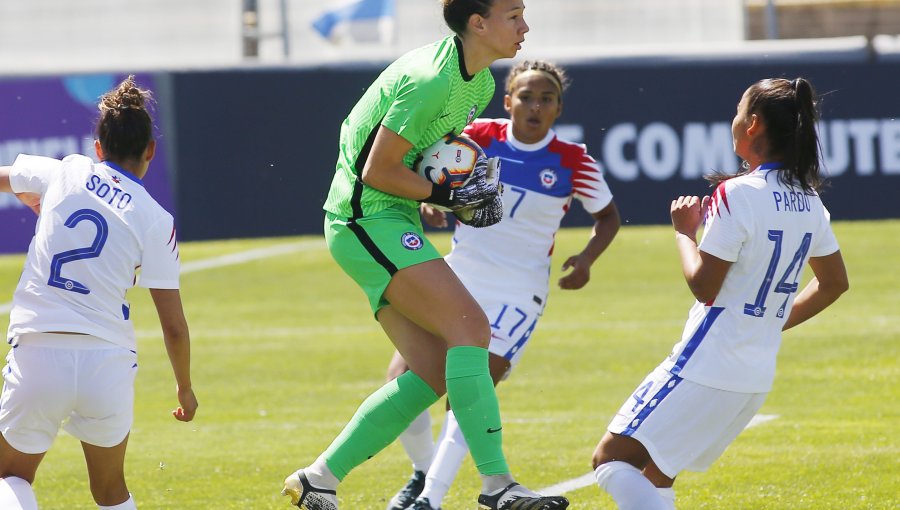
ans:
(548, 178)
(471, 116)
(411, 241)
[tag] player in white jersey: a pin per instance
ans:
(506, 266)
(73, 356)
(762, 227)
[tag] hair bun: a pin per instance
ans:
(127, 96)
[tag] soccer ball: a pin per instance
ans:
(449, 161)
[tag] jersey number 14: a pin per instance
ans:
(788, 283)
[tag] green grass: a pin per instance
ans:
(285, 348)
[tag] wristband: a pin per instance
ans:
(440, 195)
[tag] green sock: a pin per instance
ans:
(474, 402)
(378, 422)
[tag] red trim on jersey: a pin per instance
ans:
(719, 196)
(174, 242)
(484, 132)
(584, 168)
(573, 156)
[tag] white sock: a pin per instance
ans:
(418, 442)
(127, 505)
(629, 488)
(320, 476)
(668, 497)
(16, 494)
(452, 450)
(492, 484)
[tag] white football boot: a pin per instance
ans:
(307, 497)
(516, 497)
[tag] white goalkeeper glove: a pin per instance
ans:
(484, 216)
(482, 186)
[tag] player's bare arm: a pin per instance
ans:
(606, 225)
(704, 273)
(826, 287)
(178, 346)
(385, 171)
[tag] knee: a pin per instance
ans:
(597, 459)
(109, 492)
(479, 333)
(12, 474)
(614, 447)
(600, 456)
(119, 503)
(472, 330)
(483, 336)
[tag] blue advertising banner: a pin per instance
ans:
(55, 117)
(657, 130)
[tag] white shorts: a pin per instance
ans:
(79, 382)
(511, 328)
(682, 424)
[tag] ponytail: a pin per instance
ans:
(806, 140)
(788, 110)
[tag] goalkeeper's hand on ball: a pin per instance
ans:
(481, 188)
(484, 216)
(489, 212)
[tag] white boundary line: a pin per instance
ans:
(284, 249)
(250, 255)
(234, 258)
(588, 478)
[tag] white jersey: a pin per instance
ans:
(97, 226)
(512, 257)
(769, 231)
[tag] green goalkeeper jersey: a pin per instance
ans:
(422, 96)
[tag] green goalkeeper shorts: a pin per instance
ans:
(373, 248)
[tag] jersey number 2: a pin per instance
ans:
(758, 308)
(92, 251)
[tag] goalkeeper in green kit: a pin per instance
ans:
(374, 232)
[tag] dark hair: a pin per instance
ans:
(557, 73)
(125, 127)
(458, 12)
(788, 109)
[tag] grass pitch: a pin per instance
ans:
(285, 348)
